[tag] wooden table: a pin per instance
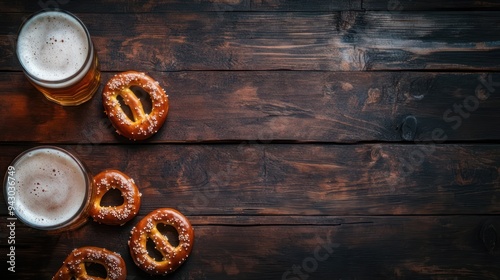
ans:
(306, 139)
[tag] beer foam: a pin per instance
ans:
(53, 46)
(50, 187)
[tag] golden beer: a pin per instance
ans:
(58, 57)
(48, 188)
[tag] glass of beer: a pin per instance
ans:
(48, 188)
(57, 56)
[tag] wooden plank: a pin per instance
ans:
(429, 5)
(438, 247)
(114, 6)
(222, 6)
(339, 41)
(309, 179)
(301, 106)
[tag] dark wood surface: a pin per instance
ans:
(306, 139)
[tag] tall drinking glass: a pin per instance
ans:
(48, 188)
(58, 57)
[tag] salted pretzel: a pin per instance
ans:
(74, 266)
(115, 215)
(143, 125)
(147, 228)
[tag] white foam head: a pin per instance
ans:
(51, 187)
(54, 46)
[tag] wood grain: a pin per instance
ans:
(333, 41)
(151, 6)
(438, 247)
(223, 6)
(314, 179)
(279, 105)
(430, 5)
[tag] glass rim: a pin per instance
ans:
(85, 201)
(89, 46)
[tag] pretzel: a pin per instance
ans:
(173, 257)
(74, 265)
(115, 215)
(143, 125)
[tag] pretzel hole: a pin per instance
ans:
(113, 197)
(125, 108)
(145, 98)
(170, 232)
(96, 270)
(152, 252)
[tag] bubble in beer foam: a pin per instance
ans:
(52, 46)
(50, 187)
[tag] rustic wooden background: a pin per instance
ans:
(353, 139)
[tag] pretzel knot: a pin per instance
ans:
(142, 125)
(74, 266)
(173, 256)
(115, 215)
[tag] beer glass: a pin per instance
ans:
(57, 55)
(48, 188)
